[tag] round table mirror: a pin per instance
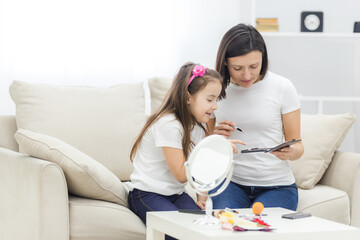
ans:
(209, 167)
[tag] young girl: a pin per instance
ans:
(160, 151)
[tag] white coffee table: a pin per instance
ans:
(180, 225)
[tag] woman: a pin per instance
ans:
(266, 107)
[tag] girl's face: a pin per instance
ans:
(245, 70)
(203, 103)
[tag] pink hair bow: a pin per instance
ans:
(198, 71)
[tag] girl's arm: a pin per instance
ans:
(175, 159)
(291, 126)
(201, 201)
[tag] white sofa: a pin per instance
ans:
(75, 144)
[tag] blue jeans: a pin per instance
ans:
(141, 202)
(239, 196)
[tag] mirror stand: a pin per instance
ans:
(208, 219)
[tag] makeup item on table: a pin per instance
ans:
(257, 208)
(236, 212)
(296, 215)
(242, 215)
(192, 211)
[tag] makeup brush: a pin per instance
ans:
(237, 128)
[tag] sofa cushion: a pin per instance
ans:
(94, 219)
(101, 122)
(84, 176)
(325, 202)
(158, 90)
(322, 136)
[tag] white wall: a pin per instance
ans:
(106, 42)
(324, 65)
(339, 15)
(319, 64)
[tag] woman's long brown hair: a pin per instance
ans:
(176, 102)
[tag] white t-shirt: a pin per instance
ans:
(151, 171)
(257, 111)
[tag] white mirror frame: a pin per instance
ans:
(220, 141)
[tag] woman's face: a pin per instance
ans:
(245, 70)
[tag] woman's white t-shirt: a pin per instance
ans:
(257, 111)
(151, 171)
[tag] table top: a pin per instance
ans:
(180, 225)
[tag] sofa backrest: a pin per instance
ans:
(101, 122)
(158, 89)
(7, 130)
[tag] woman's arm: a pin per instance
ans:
(223, 128)
(291, 126)
(175, 159)
(211, 125)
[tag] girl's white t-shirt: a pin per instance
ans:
(151, 171)
(257, 111)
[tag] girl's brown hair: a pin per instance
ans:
(239, 40)
(175, 102)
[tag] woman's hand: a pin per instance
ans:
(284, 153)
(224, 128)
(201, 201)
(288, 153)
(236, 141)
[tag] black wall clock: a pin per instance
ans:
(312, 21)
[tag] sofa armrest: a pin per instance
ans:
(344, 174)
(33, 198)
(7, 130)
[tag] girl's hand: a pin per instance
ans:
(236, 141)
(224, 128)
(201, 204)
(201, 201)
